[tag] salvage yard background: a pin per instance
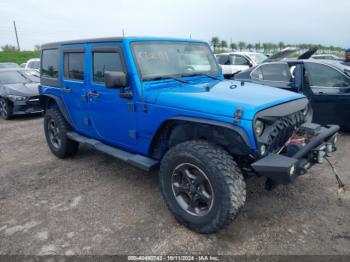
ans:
(94, 204)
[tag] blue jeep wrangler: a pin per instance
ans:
(163, 103)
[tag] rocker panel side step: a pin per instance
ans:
(139, 161)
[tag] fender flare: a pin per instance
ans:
(60, 105)
(163, 129)
(237, 129)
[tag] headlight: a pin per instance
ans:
(259, 127)
(16, 98)
(306, 110)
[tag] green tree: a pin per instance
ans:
(223, 44)
(8, 48)
(233, 46)
(257, 47)
(215, 41)
(242, 45)
(281, 45)
(250, 46)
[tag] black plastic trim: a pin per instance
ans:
(61, 106)
(237, 129)
(139, 161)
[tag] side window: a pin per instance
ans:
(273, 72)
(324, 76)
(50, 63)
(74, 65)
(239, 60)
(223, 59)
(105, 61)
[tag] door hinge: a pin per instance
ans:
(131, 106)
(132, 134)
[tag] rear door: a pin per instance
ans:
(74, 86)
(113, 117)
(330, 94)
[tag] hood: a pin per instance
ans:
(218, 97)
(25, 89)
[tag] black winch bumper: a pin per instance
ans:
(282, 169)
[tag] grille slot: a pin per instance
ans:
(282, 130)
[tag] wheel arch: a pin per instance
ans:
(49, 101)
(180, 129)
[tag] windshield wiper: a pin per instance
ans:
(165, 78)
(202, 74)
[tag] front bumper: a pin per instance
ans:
(282, 169)
(29, 106)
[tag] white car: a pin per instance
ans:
(33, 64)
(234, 62)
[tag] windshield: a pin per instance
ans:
(17, 77)
(258, 58)
(166, 59)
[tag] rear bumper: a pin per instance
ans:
(283, 169)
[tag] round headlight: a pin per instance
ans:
(258, 127)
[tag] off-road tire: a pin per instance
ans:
(8, 107)
(67, 146)
(224, 175)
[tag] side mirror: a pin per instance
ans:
(115, 79)
(250, 64)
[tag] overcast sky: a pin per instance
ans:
(310, 21)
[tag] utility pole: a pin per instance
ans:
(123, 32)
(190, 36)
(14, 25)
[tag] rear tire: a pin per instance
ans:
(6, 109)
(225, 187)
(56, 129)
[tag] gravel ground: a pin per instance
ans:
(94, 204)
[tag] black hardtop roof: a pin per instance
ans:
(80, 41)
(113, 39)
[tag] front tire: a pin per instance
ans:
(6, 109)
(56, 129)
(202, 185)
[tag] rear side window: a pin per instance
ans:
(50, 63)
(105, 61)
(324, 76)
(273, 72)
(239, 60)
(74, 65)
(223, 59)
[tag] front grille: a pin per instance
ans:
(282, 130)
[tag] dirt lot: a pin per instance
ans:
(94, 204)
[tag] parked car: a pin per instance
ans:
(33, 64)
(234, 62)
(163, 102)
(9, 65)
(326, 83)
(326, 56)
(19, 93)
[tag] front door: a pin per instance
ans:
(330, 96)
(113, 118)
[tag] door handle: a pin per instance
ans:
(93, 94)
(66, 89)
